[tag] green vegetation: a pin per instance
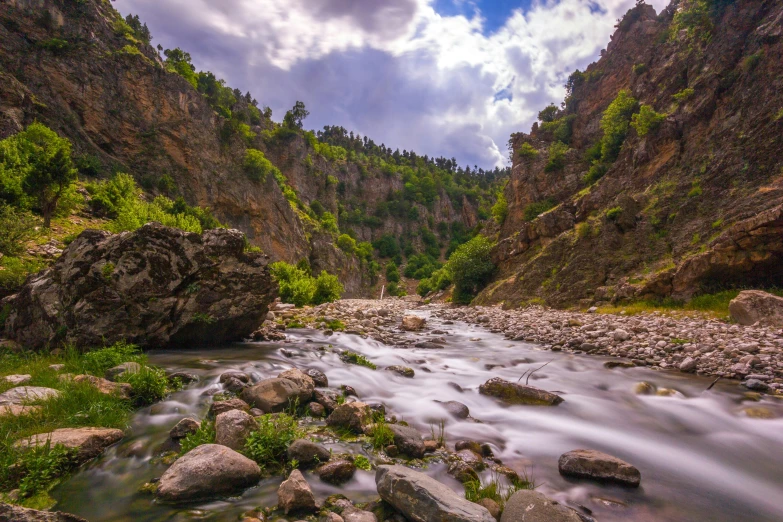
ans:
(500, 208)
(693, 17)
(358, 359)
(268, 445)
(469, 267)
(18, 226)
(205, 434)
(527, 152)
(149, 385)
(392, 272)
(710, 304)
(683, 95)
(615, 122)
(556, 159)
(533, 210)
(639, 69)
(614, 213)
(346, 243)
(646, 120)
(257, 166)
(300, 288)
(475, 490)
(696, 190)
(380, 433)
(362, 462)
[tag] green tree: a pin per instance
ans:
(17, 226)
(615, 123)
(293, 119)
(500, 208)
(257, 166)
(346, 243)
(471, 268)
(392, 272)
(646, 120)
(178, 61)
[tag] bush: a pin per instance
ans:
(135, 213)
(646, 120)
(329, 222)
(346, 243)
(17, 227)
(500, 208)
(15, 272)
(392, 272)
(205, 434)
(639, 69)
(364, 250)
(42, 465)
(268, 445)
(327, 288)
(299, 288)
(683, 95)
(420, 266)
(615, 122)
(107, 197)
(596, 172)
(471, 268)
(97, 362)
(533, 210)
(614, 213)
(387, 246)
(148, 385)
(257, 166)
(556, 160)
(527, 151)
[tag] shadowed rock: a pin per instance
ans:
(87, 443)
(531, 506)
(513, 393)
(9, 513)
(595, 465)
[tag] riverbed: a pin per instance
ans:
(703, 455)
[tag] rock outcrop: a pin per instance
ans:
(156, 286)
(753, 306)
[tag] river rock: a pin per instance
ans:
(596, 465)
(455, 409)
(207, 471)
(513, 393)
(16, 380)
(106, 387)
(326, 398)
(184, 428)
(412, 323)
(234, 385)
(530, 506)
(351, 415)
(308, 453)
(402, 370)
(121, 369)
(183, 377)
(295, 496)
(316, 410)
(275, 395)
(219, 407)
(234, 374)
(151, 287)
(421, 498)
(24, 394)
(88, 443)
(688, 364)
(471, 458)
(11, 513)
(233, 427)
(408, 440)
(318, 377)
(336, 471)
(304, 381)
(491, 506)
(754, 306)
(462, 471)
(350, 513)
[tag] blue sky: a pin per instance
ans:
(441, 77)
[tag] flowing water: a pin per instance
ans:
(701, 457)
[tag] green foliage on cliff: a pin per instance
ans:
(615, 123)
(257, 166)
(533, 210)
(556, 159)
(500, 208)
(646, 120)
(470, 268)
(300, 288)
(346, 243)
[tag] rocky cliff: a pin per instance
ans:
(75, 67)
(661, 174)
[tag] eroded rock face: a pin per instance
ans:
(88, 443)
(599, 466)
(156, 286)
(531, 506)
(207, 471)
(422, 499)
(753, 306)
(514, 393)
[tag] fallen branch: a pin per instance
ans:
(713, 383)
(532, 372)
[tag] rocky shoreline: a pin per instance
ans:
(680, 342)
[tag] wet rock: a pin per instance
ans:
(184, 428)
(596, 465)
(412, 323)
(491, 506)
(336, 471)
(408, 440)
(24, 394)
(472, 459)
(351, 513)
(308, 453)
(167, 280)
(233, 427)
(644, 388)
(462, 471)
(219, 407)
(275, 395)
(318, 377)
(107, 387)
(11, 513)
(421, 498)
(88, 443)
(207, 471)
(304, 381)
(609, 365)
(316, 410)
(295, 496)
(183, 377)
(455, 409)
(234, 374)
(754, 306)
(756, 385)
(16, 380)
(121, 369)
(471, 445)
(353, 416)
(402, 370)
(326, 398)
(431, 445)
(531, 506)
(334, 517)
(234, 385)
(688, 364)
(513, 393)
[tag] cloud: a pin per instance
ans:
(395, 70)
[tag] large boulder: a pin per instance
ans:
(754, 306)
(351, 415)
(595, 465)
(207, 471)
(421, 498)
(10, 513)
(156, 286)
(336, 471)
(87, 443)
(233, 427)
(295, 496)
(408, 440)
(513, 393)
(25, 394)
(275, 395)
(308, 453)
(531, 506)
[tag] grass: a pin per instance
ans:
(268, 445)
(205, 434)
(715, 305)
(440, 437)
(357, 358)
(476, 490)
(362, 462)
(336, 325)
(381, 435)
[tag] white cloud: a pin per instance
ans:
(441, 73)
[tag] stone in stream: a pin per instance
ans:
(87, 443)
(16, 380)
(412, 323)
(183, 377)
(121, 369)
(234, 374)
(350, 513)
(351, 415)
(530, 506)
(207, 471)
(754, 306)
(599, 466)
(316, 410)
(24, 394)
(219, 407)
(401, 370)
(491, 506)
(513, 393)
(184, 428)
(327, 399)
(455, 409)
(233, 427)
(408, 440)
(336, 471)
(472, 459)
(421, 498)
(318, 377)
(10, 513)
(234, 385)
(462, 471)
(275, 395)
(295, 496)
(304, 381)
(308, 453)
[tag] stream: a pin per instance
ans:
(701, 457)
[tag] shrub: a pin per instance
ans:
(500, 208)
(439, 280)
(15, 272)
(148, 385)
(420, 266)
(299, 288)
(695, 191)
(205, 434)
(132, 214)
(614, 213)
(646, 120)
(329, 222)
(556, 159)
(615, 122)
(96, 362)
(471, 267)
(346, 243)
(40, 466)
(527, 151)
(55, 45)
(387, 246)
(380, 434)
(257, 166)
(533, 210)
(18, 226)
(327, 288)
(596, 172)
(639, 69)
(107, 197)
(268, 445)
(362, 462)
(683, 95)
(392, 272)
(364, 250)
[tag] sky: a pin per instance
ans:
(450, 78)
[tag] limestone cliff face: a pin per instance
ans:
(692, 206)
(124, 107)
